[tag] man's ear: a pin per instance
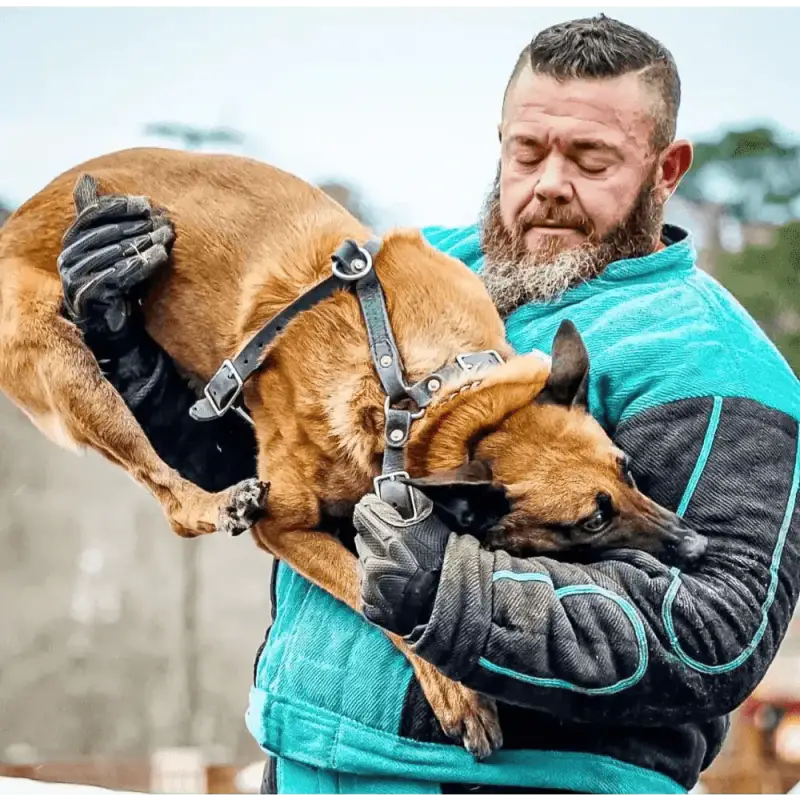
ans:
(568, 382)
(466, 498)
(674, 163)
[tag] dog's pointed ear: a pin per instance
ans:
(465, 498)
(568, 382)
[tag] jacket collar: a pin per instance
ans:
(678, 257)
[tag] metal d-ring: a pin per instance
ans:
(364, 267)
(413, 414)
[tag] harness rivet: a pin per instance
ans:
(434, 384)
(396, 435)
(386, 361)
(358, 264)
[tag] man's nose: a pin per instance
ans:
(553, 186)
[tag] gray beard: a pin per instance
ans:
(515, 276)
(512, 284)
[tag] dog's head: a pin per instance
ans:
(519, 462)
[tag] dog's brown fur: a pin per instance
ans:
(251, 239)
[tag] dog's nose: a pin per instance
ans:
(691, 547)
(682, 545)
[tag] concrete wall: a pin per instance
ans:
(94, 659)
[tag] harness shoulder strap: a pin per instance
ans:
(225, 386)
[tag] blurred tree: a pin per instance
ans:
(5, 212)
(752, 173)
(192, 137)
(766, 281)
(750, 176)
(347, 196)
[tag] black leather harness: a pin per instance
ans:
(352, 270)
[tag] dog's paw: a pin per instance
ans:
(482, 734)
(466, 716)
(472, 720)
(246, 505)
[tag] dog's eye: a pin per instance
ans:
(601, 519)
(597, 522)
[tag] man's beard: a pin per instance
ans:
(514, 275)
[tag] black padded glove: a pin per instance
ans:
(115, 244)
(400, 562)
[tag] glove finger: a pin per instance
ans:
(97, 238)
(109, 208)
(400, 556)
(362, 549)
(373, 508)
(375, 606)
(137, 269)
(114, 207)
(363, 553)
(116, 315)
(375, 535)
(144, 246)
(96, 261)
(84, 193)
(96, 287)
(104, 276)
(370, 543)
(371, 511)
(163, 233)
(111, 254)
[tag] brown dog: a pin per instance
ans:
(250, 240)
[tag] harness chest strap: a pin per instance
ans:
(352, 269)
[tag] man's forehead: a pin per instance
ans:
(617, 110)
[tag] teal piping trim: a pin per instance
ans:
(522, 577)
(702, 459)
(569, 591)
(669, 598)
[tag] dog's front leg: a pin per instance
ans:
(463, 714)
(47, 370)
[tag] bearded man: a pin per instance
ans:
(611, 676)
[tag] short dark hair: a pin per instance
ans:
(601, 47)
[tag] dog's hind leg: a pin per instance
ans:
(46, 370)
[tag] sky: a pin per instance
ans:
(402, 102)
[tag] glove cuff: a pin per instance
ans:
(460, 621)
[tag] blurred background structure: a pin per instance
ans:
(123, 649)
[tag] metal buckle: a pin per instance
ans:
(221, 410)
(364, 267)
(461, 360)
(387, 404)
(394, 476)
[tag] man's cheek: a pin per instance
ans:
(602, 208)
(514, 199)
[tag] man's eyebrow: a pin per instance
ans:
(589, 145)
(526, 140)
(579, 145)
